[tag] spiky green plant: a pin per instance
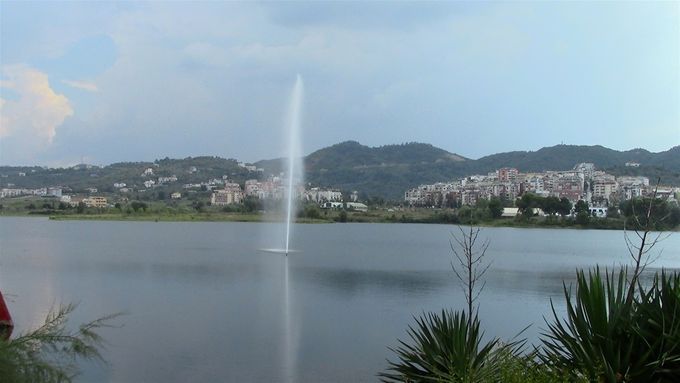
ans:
(607, 337)
(658, 325)
(595, 339)
(49, 353)
(447, 347)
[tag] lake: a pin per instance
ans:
(203, 304)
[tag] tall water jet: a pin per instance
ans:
(295, 170)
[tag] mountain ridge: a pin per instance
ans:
(383, 171)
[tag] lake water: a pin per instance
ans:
(203, 304)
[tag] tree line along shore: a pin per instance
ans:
(530, 211)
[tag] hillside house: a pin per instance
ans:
(231, 193)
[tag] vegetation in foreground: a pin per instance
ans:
(617, 329)
(50, 352)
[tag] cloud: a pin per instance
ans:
(177, 80)
(34, 116)
(82, 85)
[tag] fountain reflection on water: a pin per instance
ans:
(295, 177)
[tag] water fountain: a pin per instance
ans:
(295, 170)
(295, 177)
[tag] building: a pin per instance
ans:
(332, 205)
(320, 195)
(583, 182)
(510, 212)
(54, 191)
(231, 193)
(5, 193)
(600, 212)
(176, 195)
(605, 188)
(165, 180)
(356, 206)
(250, 168)
(507, 174)
(94, 201)
(632, 187)
(587, 168)
(147, 172)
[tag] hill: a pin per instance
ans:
(387, 171)
(381, 171)
(81, 177)
(384, 171)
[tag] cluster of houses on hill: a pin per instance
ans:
(223, 191)
(583, 182)
(57, 193)
(273, 188)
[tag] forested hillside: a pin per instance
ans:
(385, 171)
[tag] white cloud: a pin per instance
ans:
(37, 112)
(213, 78)
(82, 85)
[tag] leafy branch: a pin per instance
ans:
(49, 353)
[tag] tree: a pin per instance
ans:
(662, 213)
(582, 206)
(613, 212)
(468, 264)
(564, 207)
(551, 205)
(582, 212)
(582, 218)
(49, 353)
(527, 203)
(198, 205)
(495, 207)
(251, 204)
(312, 212)
(137, 205)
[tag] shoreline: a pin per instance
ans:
(250, 217)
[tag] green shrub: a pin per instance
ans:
(607, 337)
(447, 347)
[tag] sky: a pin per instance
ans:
(105, 82)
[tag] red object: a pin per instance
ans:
(6, 324)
